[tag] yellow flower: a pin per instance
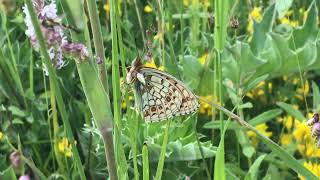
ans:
(285, 78)
(106, 7)
(205, 107)
(205, 3)
(250, 27)
(289, 13)
(270, 87)
(301, 91)
(262, 128)
(152, 64)
(255, 14)
(313, 167)
(302, 132)
(284, 20)
(294, 23)
(258, 92)
(161, 68)
(305, 15)
(186, 2)
(147, 9)
(305, 142)
(287, 121)
(124, 104)
(65, 147)
(1, 135)
(203, 58)
(285, 139)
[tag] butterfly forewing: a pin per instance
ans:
(163, 96)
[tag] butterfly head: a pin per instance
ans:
(134, 74)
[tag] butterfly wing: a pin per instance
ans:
(163, 96)
(160, 100)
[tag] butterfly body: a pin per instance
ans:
(159, 95)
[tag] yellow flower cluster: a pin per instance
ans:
(259, 92)
(65, 147)
(124, 104)
(305, 142)
(205, 107)
(302, 91)
(301, 132)
(255, 15)
(313, 167)
(262, 128)
(286, 19)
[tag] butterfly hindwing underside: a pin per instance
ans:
(163, 96)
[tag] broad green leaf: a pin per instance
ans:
(246, 105)
(176, 151)
(239, 63)
(191, 71)
(17, 111)
(247, 149)
(291, 110)
(309, 31)
(253, 171)
(260, 30)
(315, 95)
(272, 173)
(8, 174)
(271, 55)
(282, 7)
(265, 116)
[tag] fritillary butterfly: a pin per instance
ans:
(159, 95)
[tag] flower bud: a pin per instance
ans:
(15, 159)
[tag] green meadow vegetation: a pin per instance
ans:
(67, 111)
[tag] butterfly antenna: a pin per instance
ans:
(137, 51)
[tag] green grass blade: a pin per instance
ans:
(219, 164)
(145, 162)
(163, 152)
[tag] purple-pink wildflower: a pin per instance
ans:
(15, 159)
(57, 43)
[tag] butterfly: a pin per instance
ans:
(159, 95)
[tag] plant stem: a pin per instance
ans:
(139, 21)
(98, 44)
(55, 87)
(163, 152)
(145, 162)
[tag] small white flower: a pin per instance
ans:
(50, 11)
